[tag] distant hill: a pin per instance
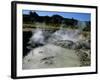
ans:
(54, 20)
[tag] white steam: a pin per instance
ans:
(37, 37)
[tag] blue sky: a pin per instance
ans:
(78, 16)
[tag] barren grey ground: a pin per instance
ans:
(56, 57)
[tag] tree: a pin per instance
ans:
(71, 23)
(33, 16)
(88, 26)
(56, 19)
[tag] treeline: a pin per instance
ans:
(55, 20)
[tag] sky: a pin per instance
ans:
(78, 16)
